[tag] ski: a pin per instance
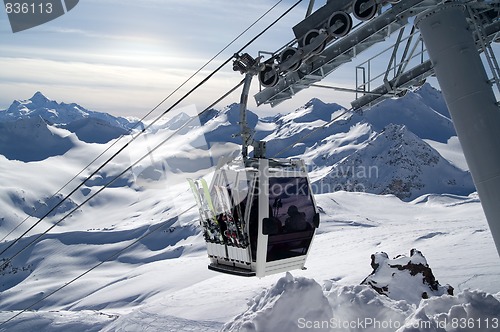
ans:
(208, 219)
(208, 200)
(236, 221)
(203, 217)
(227, 217)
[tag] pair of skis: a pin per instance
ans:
(209, 216)
(233, 233)
(208, 220)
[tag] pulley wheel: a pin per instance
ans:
(343, 18)
(309, 38)
(364, 10)
(269, 76)
(287, 54)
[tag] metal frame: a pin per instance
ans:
(343, 50)
(413, 76)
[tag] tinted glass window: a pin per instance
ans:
(291, 213)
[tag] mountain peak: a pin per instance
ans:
(39, 98)
(313, 110)
(315, 102)
(398, 162)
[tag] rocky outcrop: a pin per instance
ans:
(404, 277)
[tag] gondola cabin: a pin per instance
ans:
(258, 219)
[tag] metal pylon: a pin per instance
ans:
(485, 46)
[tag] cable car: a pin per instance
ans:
(258, 217)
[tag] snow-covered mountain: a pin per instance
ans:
(385, 150)
(57, 113)
(141, 234)
(89, 126)
(367, 152)
(397, 162)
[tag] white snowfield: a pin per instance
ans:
(162, 282)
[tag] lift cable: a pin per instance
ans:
(148, 114)
(156, 228)
(143, 118)
(38, 237)
(133, 165)
(161, 225)
(147, 127)
(152, 150)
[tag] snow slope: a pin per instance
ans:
(161, 283)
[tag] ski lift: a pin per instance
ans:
(258, 215)
(258, 219)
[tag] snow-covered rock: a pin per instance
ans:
(404, 277)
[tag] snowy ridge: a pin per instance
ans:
(56, 113)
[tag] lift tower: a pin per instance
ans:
(468, 93)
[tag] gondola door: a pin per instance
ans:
(263, 202)
(287, 218)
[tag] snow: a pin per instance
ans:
(282, 306)
(162, 283)
(298, 304)
(416, 113)
(451, 151)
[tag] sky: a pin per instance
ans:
(124, 57)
